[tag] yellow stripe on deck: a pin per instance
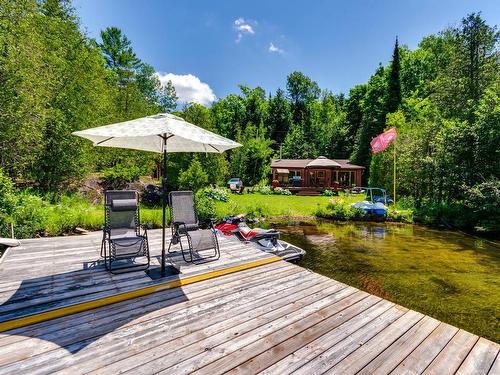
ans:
(88, 305)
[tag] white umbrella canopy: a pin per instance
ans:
(163, 133)
(158, 133)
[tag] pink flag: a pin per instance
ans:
(382, 141)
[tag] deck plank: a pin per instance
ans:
(167, 343)
(105, 323)
(386, 361)
(425, 353)
(453, 354)
(277, 318)
(362, 356)
(299, 357)
(480, 358)
(235, 331)
(346, 346)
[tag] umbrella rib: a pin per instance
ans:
(105, 140)
(215, 148)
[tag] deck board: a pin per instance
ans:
(276, 318)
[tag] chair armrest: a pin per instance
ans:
(178, 224)
(208, 223)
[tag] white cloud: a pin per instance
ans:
(243, 28)
(275, 49)
(189, 88)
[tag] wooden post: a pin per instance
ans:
(12, 230)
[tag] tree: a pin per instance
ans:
(279, 118)
(472, 65)
(374, 114)
(394, 84)
(168, 97)
(294, 146)
(252, 161)
(119, 54)
(215, 165)
(229, 115)
(302, 91)
(354, 114)
(255, 105)
(193, 178)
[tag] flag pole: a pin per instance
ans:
(394, 182)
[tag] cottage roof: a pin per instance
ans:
(303, 163)
(323, 162)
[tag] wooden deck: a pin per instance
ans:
(274, 318)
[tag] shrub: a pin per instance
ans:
(482, 205)
(340, 210)
(30, 216)
(218, 194)
(264, 189)
(205, 207)
(8, 201)
(281, 191)
(328, 193)
(403, 216)
(193, 178)
(152, 196)
(119, 176)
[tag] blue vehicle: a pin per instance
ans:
(376, 202)
(378, 195)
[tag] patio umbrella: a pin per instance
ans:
(159, 133)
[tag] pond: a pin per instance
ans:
(448, 275)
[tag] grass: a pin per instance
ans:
(276, 206)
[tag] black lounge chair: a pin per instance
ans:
(185, 225)
(122, 241)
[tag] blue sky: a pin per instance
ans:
(207, 48)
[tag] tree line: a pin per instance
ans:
(443, 98)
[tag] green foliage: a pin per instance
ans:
(279, 119)
(281, 191)
(8, 202)
(251, 162)
(120, 175)
(219, 194)
(193, 178)
(483, 206)
(30, 216)
(205, 206)
(339, 209)
(394, 82)
(328, 193)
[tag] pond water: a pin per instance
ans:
(448, 275)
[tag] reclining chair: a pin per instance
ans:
(122, 241)
(185, 225)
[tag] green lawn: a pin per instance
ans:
(283, 206)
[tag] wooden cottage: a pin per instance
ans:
(316, 174)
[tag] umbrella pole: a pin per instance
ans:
(164, 206)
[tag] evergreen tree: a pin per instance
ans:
(302, 92)
(168, 97)
(279, 118)
(394, 83)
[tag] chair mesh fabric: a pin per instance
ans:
(123, 225)
(182, 208)
(203, 239)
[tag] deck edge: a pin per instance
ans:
(88, 305)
